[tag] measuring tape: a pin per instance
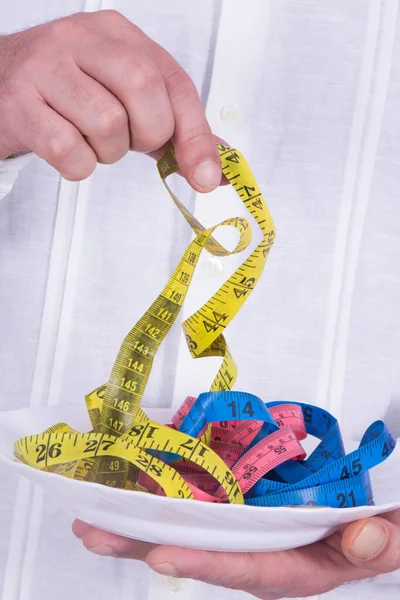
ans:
(223, 446)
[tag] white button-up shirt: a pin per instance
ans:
(308, 90)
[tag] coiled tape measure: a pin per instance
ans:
(224, 446)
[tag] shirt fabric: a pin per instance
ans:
(308, 91)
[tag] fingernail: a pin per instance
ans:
(370, 541)
(207, 174)
(80, 529)
(103, 550)
(165, 569)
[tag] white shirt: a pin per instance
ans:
(308, 91)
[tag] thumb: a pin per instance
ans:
(373, 544)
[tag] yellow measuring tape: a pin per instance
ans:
(116, 449)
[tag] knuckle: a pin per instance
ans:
(62, 144)
(156, 136)
(79, 174)
(194, 135)
(61, 65)
(109, 20)
(165, 132)
(62, 29)
(179, 84)
(110, 15)
(111, 158)
(145, 76)
(111, 120)
(148, 144)
(78, 169)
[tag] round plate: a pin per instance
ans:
(187, 523)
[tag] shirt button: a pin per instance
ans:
(214, 264)
(230, 114)
(174, 585)
(211, 266)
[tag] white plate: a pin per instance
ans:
(187, 523)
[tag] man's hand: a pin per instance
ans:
(364, 549)
(89, 87)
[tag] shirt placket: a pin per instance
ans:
(239, 48)
(240, 51)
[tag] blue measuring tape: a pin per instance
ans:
(328, 477)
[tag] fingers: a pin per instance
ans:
(374, 544)
(57, 141)
(109, 544)
(111, 88)
(310, 570)
(160, 99)
(137, 82)
(234, 570)
(94, 111)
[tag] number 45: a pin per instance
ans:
(356, 468)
